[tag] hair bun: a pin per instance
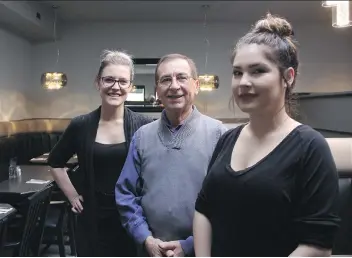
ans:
(274, 24)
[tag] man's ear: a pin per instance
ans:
(197, 85)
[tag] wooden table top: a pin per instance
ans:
(21, 186)
(43, 159)
(6, 210)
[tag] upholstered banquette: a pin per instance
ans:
(341, 149)
(26, 139)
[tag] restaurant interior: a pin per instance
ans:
(49, 56)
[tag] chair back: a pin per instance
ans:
(35, 210)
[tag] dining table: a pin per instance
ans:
(43, 160)
(7, 212)
(33, 178)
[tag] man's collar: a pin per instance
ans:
(168, 123)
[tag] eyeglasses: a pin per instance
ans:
(110, 82)
(166, 81)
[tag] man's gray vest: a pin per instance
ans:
(173, 166)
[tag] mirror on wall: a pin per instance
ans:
(143, 95)
(137, 94)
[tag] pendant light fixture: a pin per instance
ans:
(207, 82)
(54, 80)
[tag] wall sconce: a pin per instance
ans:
(208, 82)
(53, 81)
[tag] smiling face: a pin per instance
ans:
(257, 83)
(176, 88)
(114, 84)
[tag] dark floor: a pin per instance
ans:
(53, 251)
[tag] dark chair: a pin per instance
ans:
(54, 227)
(34, 212)
(59, 224)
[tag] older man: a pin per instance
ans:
(166, 164)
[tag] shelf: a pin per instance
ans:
(145, 109)
(306, 95)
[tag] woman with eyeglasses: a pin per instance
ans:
(101, 140)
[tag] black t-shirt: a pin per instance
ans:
(286, 199)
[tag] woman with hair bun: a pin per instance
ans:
(272, 184)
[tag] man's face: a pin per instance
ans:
(176, 88)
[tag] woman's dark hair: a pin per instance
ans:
(277, 34)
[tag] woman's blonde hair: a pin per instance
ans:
(115, 57)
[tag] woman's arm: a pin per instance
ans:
(63, 181)
(59, 155)
(310, 251)
(202, 235)
(316, 213)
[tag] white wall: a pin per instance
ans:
(325, 55)
(15, 76)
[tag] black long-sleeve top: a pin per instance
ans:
(79, 137)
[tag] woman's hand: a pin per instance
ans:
(77, 206)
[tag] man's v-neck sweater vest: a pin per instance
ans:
(173, 167)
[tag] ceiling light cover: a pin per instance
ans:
(53, 80)
(208, 82)
(341, 15)
(329, 3)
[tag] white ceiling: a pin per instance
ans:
(157, 11)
